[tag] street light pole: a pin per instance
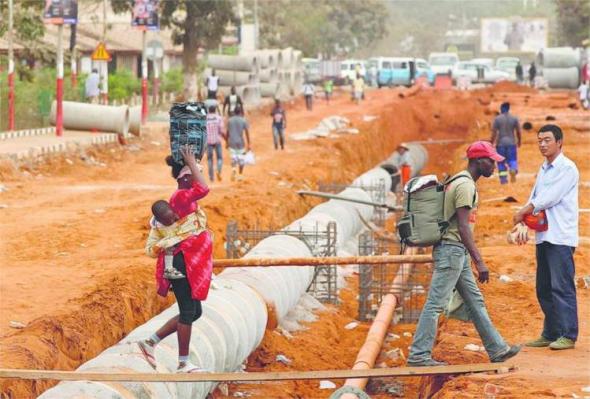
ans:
(144, 76)
(10, 66)
(60, 82)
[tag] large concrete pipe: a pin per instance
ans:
(287, 55)
(374, 177)
(562, 78)
(561, 57)
(135, 120)
(232, 77)
(93, 117)
(269, 75)
(235, 314)
(269, 89)
(246, 63)
(297, 59)
(296, 82)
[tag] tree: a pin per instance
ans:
(573, 19)
(326, 27)
(195, 25)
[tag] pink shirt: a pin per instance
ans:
(184, 201)
(214, 129)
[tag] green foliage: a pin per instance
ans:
(172, 81)
(573, 18)
(123, 84)
(328, 27)
(28, 24)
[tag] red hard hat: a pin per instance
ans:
(536, 222)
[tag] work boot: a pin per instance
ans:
(540, 342)
(562, 343)
(512, 176)
(426, 363)
(511, 352)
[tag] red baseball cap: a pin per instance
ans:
(483, 149)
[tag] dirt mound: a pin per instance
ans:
(512, 87)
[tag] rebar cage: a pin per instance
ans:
(321, 242)
(375, 281)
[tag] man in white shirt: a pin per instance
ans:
(583, 92)
(212, 85)
(92, 90)
(556, 193)
(308, 93)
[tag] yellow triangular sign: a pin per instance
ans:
(100, 53)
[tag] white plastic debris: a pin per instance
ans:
(326, 384)
(16, 324)
(472, 348)
(69, 161)
(2, 188)
(586, 389)
(418, 290)
(505, 279)
(352, 325)
(407, 334)
(155, 143)
(369, 118)
(283, 359)
(392, 336)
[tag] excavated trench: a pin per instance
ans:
(125, 300)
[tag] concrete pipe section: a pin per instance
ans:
(269, 89)
(562, 78)
(417, 159)
(233, 78)
(561, 57)
(103, 118)
(268, 75)
(241, 303)
(246, 63)
(135, 120)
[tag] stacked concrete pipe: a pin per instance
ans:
(241, 303)
(561, 66)
(93, 117)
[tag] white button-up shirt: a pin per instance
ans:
(556, 192)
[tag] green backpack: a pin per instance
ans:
(423, 223)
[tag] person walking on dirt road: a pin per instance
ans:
(556, 194)
(237, 126)
(452, 265)
(506, 137)
(192, 258)
(215, 133)
(532, 73)
(308, 93)
(279, 124)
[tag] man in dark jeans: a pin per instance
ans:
(279, 124)
(506, 136)
(556, 193)
(452, 265)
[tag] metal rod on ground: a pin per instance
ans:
(337, 197)
(370, 350)
(320, 261)
(62, 375)
(10, 67)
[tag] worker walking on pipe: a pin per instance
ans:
(215, 133)
(191, 259)
(452, 265)
(279, 124)
(553, 208)
(507, 138)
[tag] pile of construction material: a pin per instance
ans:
(328, 127)
(263, 73)
(561, 66)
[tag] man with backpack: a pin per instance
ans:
(452, 255)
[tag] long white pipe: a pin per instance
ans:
(235, 315)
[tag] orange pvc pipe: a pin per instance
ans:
(370, 350)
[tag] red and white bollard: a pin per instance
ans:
(59, 94)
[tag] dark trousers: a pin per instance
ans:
(309, 102)
(189, 309)
(556, 290)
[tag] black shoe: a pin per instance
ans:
(426, 363)
(513, 351)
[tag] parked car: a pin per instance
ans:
(424, 69)
(486, 74)
(348, 69)
(484, 61)
(508, 64)
(442, 63)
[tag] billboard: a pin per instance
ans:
(60, 12)
(145, 15)
(513, 35)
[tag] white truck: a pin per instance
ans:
(442, 63)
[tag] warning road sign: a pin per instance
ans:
(100, 53)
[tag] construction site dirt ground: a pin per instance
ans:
(74, 273)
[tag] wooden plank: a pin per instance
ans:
(321, 261)
(62, 375)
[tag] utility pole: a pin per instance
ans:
(59, 95)
(10, 66)
(105, 64)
